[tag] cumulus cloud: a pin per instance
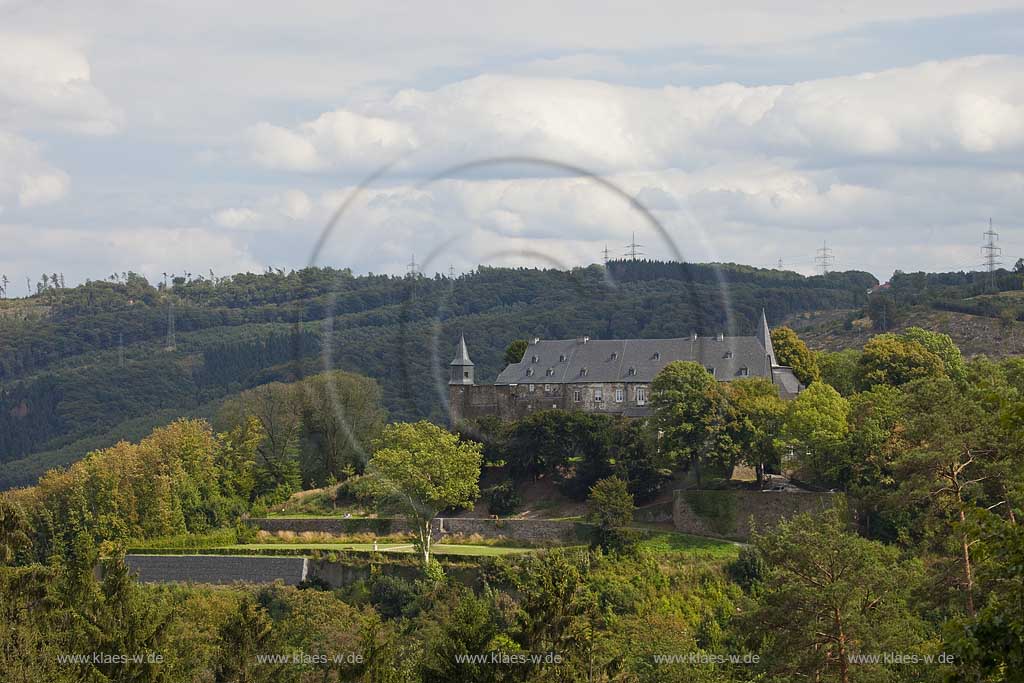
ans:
(966, 108)
(25, 177)
(294, 205)
(45, 82)
(234, 218)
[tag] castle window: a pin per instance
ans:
(641, 396)
(598, 395)
(744, 371)
(465, 374)
(547, 387)
(618, 395)
(577, 395)
(532, 387)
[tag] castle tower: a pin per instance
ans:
(764, 335)
(461, 368)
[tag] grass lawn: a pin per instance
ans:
(439, 548)
(671, 543)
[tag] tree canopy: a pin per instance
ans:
(418, 470)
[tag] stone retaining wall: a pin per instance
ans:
(655, 513)
(217, 568)
(728, 514)
(533, 531)
(226, 569)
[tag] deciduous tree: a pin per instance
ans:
(419, 469)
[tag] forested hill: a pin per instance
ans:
(83, 366)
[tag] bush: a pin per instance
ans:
(617, 539)
(502, 500)
(747, 570)
(245, 533)
(390, 595)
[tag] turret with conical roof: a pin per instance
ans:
(461, 366)
(764, 335)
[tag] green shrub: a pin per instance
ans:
(390, 595)
(747, 570)
(502, 500)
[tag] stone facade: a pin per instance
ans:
(514, 402)
(611, 376)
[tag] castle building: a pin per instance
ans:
(605, 375)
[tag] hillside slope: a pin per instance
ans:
(88, 365)
(974, 334)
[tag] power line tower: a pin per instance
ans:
(413, 266)
(451, 273)
(824, 259)
(780, 263)
(604, 254)
(990, 251)
(171, 342)
(633, 249)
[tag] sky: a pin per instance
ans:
(196, 137)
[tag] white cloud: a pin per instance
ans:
(235, 218)
(296, 204)
(45, 82)
(335, 137)
(147, 250)
(25, 176)
(967, 109)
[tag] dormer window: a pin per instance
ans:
(561, 358)
(529, 372)
(744, 371)
(657, 355)
(550, 371)
(583, 372)
(710, 370)
(728, 354)
(632, 371)
(534, 359)
(615, 354)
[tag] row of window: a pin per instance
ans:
(620, 394)
(742, 372)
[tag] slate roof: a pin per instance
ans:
(562, 361)
(461, 354)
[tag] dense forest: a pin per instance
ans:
(82, 367)
(915, 577)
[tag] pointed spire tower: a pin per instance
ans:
(461, 366)
(764, 335)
